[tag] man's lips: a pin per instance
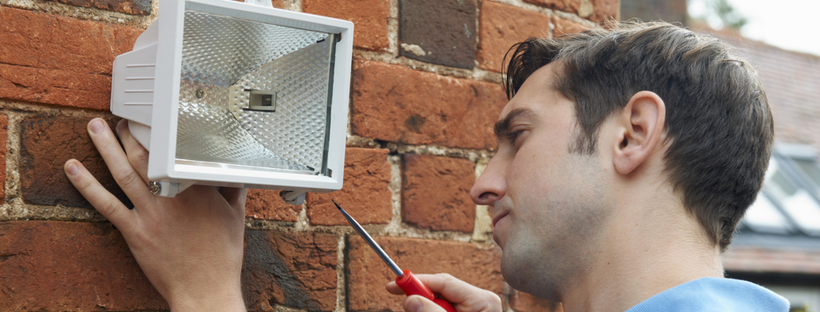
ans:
(499, 215)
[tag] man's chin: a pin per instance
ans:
(528, 281)
(512, 276)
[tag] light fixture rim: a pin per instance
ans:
(162, 159)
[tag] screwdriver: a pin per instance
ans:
(408, 282)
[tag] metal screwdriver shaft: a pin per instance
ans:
(370, 241)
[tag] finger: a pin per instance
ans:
(467, 296)
(116, 160)
(137, 154)
(420, 304)
(394, 288)
(106, 203)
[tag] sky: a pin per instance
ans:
(789, 24)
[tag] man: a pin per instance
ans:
(625, 160)
(626, 157)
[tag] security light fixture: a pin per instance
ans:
(237, 94)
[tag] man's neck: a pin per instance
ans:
(645, 251)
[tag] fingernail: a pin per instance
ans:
(72, 169)
(414, 304)
(121, 125)
(96, 126)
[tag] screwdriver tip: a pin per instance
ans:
(337, 205)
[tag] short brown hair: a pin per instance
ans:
(718, 121)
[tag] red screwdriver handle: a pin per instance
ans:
(411, 285)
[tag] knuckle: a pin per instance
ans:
(496, 300)
(142, 155)
(86, 183)
(108, 206)
(128, 178)
(446, 277)
(138, 158)
(106, 141)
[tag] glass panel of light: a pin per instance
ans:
(253, 94)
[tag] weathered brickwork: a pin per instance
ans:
(425, 94)
(439, 32)
(366, 273)
(501, 26)
(78, 266)
(70, 266)
(268, 205)
(565, 27)
(58, 60)
(46, 143)
(136, 7)
(435, 192)
(582, 8)
(598, 11)
(4, 126)
(398, 104)
(292, 269)
(369, 19)
(365, 195)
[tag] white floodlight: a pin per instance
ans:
(238, 94)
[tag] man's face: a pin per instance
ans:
(550, 205)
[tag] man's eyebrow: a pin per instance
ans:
(502, 127)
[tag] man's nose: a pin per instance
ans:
(491, 185)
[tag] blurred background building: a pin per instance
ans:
(778, 243)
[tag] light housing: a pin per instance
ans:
(234, 94)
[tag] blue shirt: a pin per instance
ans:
(715, 294)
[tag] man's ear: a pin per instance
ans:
(641, 125)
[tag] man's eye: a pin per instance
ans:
(513, 136)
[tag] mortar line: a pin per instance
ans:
(393, 29)
(341, 290)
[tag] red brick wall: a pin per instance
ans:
(425, 93)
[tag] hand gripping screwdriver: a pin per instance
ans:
(408, 282)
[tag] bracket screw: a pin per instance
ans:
(155, 187)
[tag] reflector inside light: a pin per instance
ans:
(253, 94)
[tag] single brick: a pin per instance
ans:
(4, 126)
(604, 10)
(524, 302)
(564, 26)
(439, 32)
(365, 194)
(58, 60)
(366, 273)
(135, 7)
(297, 270)
(436, 192)
(267, 205)
(398, 104)
(582, 8)
(45, 145)
(70, 266)
(598, 11)
(369, 18)
(501, 26)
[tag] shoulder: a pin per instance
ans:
(714, 294)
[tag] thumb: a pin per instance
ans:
(417, 303)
